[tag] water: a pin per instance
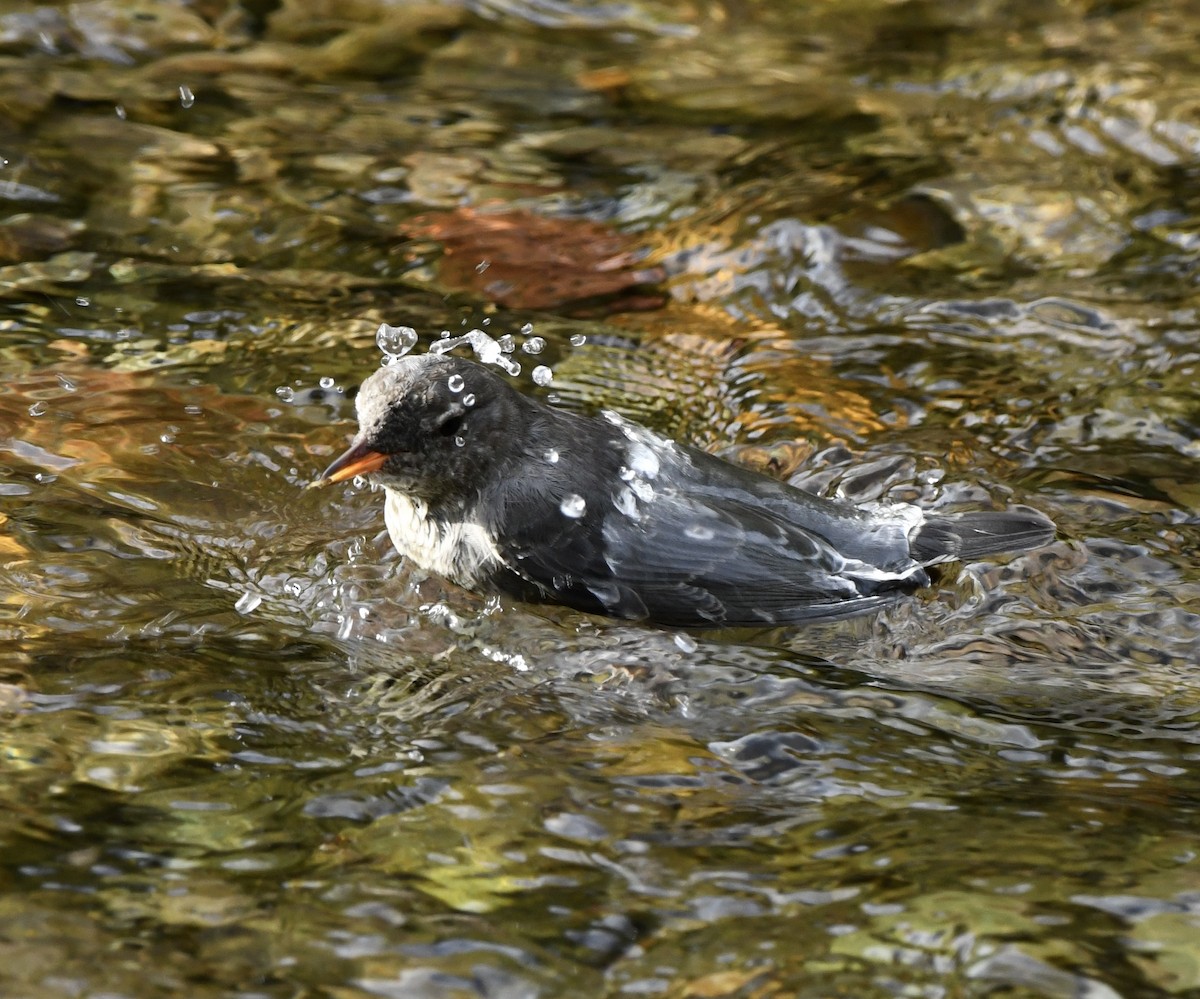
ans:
(942, 256)
(486, 348)
(573, 505)
(395, 341)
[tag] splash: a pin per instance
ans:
(395, 341)
(487, 350)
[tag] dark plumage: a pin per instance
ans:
(498, 491)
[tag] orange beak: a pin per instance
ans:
(358, 460)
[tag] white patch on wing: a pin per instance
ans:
(646, 449)
(626, 503)
(462, 551)
(909, 517)
(644, 460)
(867, 573)
(642, 490)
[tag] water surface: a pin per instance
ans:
(939, 253)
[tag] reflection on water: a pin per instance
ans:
(942, 255)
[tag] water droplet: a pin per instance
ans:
(395, 341)
(642, 490)
(469, 399)
(507, 343)
(456, 383)
(573, 505)
(527, 329)
(247, 602)
(460, 442)
(120, 109)
(685, 643)
(482, 266)
(285, 393)
(487, 350)
(186, 97)
(326, 382)
(83, 301)
(193, 410)
(167, 438)
(578, 339)
(552, 456)
(626, 503)
(65, 383)
(534, 345)
(37, 409)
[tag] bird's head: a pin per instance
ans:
(429, 427)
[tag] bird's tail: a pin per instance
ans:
(955, 537)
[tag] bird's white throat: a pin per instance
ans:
(463, 551)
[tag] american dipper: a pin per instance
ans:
(497, 491)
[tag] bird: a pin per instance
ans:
(501, 493)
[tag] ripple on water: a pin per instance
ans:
(235, 721)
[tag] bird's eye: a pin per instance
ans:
(450, 424)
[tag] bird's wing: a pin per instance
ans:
(684, 560)
(675, 536)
